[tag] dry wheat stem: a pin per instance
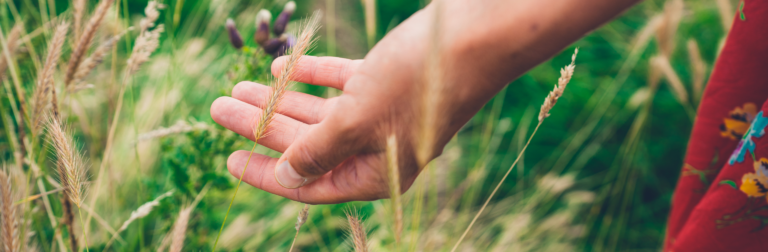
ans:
(6, 62)
(143, 47)
(393, 180)
(78, 9)
(698, 67)
(10, 223)
(140, 212)
(84, 41)
(94, 60)
(45, 83)
(303, 215)
(280, 86)
(10, 48)
(72, 169)
(72, 174)
(357, 231)
(179, 230)
(549, 102)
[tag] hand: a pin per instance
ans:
(334, 148)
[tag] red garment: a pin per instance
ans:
(720, 202)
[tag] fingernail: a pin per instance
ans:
(287, 177)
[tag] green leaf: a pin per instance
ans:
(728, 182)
(741, 11)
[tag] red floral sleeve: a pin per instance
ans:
(720, 200)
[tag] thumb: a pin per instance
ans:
(322, 148)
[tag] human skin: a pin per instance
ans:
(334, 149)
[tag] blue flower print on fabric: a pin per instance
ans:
(757, 129)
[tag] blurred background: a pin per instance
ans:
(599, 176)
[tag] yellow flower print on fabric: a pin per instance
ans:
(737, 123)
(756, 184)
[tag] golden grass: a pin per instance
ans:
(300, 220)
(9, 236)
(94, 60)
(45, 86)
(698, 68)
(84, 41)
(395, 190)
(280, 86)
(145, 44)
(549, 102)
(357, 231)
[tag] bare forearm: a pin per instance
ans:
(502, 39)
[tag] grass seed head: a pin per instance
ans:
(565, 76)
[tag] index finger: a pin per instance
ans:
(322, 71)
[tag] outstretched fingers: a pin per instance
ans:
(306, 108)
(323, 71)
(241, 118)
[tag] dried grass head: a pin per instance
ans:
(72, 169)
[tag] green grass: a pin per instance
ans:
(627, 156)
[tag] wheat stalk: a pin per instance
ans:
(72, 173)
(178, 234)
(280, 86)
(139, 213)
(72, 169)
(84, 40)
(357, 231)
(11, 45)
(10, 223)
(303, 215)
(395, 190)
(78, 10)
(45, 84)
(143, 47)
(94, 60)
(8, 52)
(698, 67)
(549, 102)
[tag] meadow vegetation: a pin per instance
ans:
(107, 143)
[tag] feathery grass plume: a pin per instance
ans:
(148, 41)
(357, 231)
(10, 223)
(72, 169)
(662, 63)
(12, 44)
(179, 127)
(145, 44)
(78, 10)
(393, 180)
(565, 76)
(431, 94)
(94, 60)
(726, 14)
(178, 233)
(6, 54)
(370, 21)
(72, 173)
(549, 102)
(665, 35)
(300, 222)
(280, 86)
(234, 36)
(698, 67)
(84, 41)
(140, 212)
(45, 86)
